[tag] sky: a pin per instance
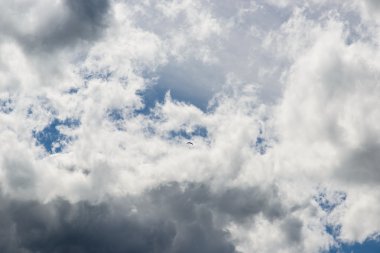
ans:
(189, 126)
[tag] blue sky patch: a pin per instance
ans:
(6, 105)
(184, 81)
(191, 81)
(198, 131)
(327, 203)
(115, 114)
(150, 97)
(333, 230)
(261, 144)
(104, 75)
(369, 246)
(72, 90)
(51, 138)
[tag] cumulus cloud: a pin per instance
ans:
(98, 100)
(39, 38)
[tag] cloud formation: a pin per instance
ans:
(169, 218)
(99, 98)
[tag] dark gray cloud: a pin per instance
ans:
(292, 228)
(241, 204)
(85, 21)
(68, 24)
(373, 4)
(170, 218)
(362, 164)
(45, 38)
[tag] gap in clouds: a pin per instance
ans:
(328, 201)
(183, 133)
(369, 246)
(51, 136)
(6, 105)
(190, 81)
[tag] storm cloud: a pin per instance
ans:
(169, 218)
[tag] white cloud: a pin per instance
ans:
(327, 121)
(292, 90)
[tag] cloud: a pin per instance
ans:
(329, 107)
(169, 218)
(46, 38)
(99, 98)
(370, 9)
(292, 228)
(361, 164)
(68, 23)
